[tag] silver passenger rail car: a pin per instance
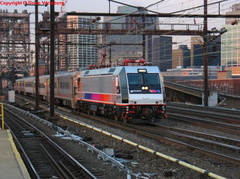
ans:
(65, 90)
(25, 86)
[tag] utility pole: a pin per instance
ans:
(37, 45)
(52, 49)
(205, 55)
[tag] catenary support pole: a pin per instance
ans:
(205, 55)
(52, 56)
(37, 45)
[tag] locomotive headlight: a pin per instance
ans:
(144, 88)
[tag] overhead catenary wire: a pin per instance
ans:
(173, 18)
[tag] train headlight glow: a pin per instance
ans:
(144, 88)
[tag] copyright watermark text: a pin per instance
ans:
(25, 3)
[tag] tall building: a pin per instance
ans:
(73, 51)
(230, 46)
(83, 52)
(186, 55)
(155, 49)
(196, 43)
(128, 46)
(230, 43)
(214, 52)
(181, 57)
(177, 58)
(197, 55)
(213, 55)
(160, 51)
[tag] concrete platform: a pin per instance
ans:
(11, 164)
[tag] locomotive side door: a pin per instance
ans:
(56, 86)
(78, 89)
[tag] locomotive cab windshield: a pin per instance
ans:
(143, 82)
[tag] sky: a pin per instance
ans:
(161, 6)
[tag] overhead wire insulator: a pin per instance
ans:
(98, 18)
(235, 22)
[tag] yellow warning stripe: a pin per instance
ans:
(18, 156)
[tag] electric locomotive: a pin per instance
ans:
(130, 93)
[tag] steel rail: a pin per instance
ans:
(205, 123)
(55, 164)
(145, 148)
(202, 134)
(24, 155)
(190, 166)
(72, 160)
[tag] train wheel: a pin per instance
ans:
(88, 111)
(124, 118)
(116, 117)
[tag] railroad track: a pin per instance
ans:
(197, 141)
(44, 158)
(204, 123)
(210, 145)
(191, 140)
(230, 116)
(211, 118)
(177, 137)
(224, 140)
